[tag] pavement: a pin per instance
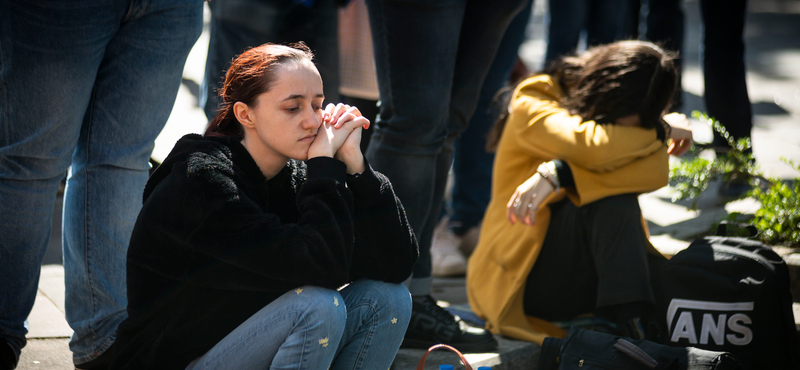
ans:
(773, 59)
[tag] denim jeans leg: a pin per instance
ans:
(299, 330)
(134, 90)
(46, 78)
(377, 317)
(431, 58)
(724, 69)
(472, 164)
(241, 24)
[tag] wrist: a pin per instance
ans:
(547, 171)
(353, 160)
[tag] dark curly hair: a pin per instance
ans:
(615, 80)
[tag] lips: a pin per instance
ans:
(308, 138)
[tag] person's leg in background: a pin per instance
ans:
(472, 164)
(358, 85)
(566, 20)
(45, 85)
(98, 107)
(239, 25)
(134, 92)
(431, 59)
(604, 22)
(377, 317)
(725, 78)
(724, 71)
(665, 26)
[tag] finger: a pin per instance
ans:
(678, 147)
(354, 110)
(511, 207)
(326, 114)
(685, 145)
(350, 121)
(530, 210)
(338, 111)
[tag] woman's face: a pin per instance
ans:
(284, 121)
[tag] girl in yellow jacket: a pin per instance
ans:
(563, 235)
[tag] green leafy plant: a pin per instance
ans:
(778, 219)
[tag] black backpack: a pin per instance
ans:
(730, 294)
(584, 349)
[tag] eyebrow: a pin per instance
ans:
(300, 96)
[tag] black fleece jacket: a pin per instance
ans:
(216, 241)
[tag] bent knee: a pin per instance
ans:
(321, 305)
(390, 298)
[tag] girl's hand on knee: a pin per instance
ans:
(527, 198)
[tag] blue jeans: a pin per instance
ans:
(84, 85)
(724, 71)
(237, 25)
(359, 327)
(601, 19)
(472, 164)
(431, 58)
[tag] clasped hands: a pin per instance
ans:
(339, 136)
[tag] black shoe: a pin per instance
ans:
(8, 357)
(431, 324)
(101, 362)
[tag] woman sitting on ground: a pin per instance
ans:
(563, 235)
(269, 242)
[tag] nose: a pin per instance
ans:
(312, 119)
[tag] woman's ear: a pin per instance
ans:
(243, 114)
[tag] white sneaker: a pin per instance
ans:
(446, 257)
(470, 240)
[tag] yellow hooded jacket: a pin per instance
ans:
(605, 160)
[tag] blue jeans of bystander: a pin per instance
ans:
(85, 85)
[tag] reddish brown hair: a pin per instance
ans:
(251, 74)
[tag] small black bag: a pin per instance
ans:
(588, 350)
(730, 294)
